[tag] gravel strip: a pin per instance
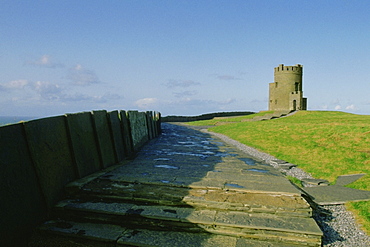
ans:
(338, 225)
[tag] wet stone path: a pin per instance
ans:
(183, 157)
(187, 188)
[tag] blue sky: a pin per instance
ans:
(179, 57)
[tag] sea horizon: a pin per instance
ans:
(5, 120)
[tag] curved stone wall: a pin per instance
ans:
(38, 158)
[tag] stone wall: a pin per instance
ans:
(38, 158)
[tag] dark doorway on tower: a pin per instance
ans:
(294, 105)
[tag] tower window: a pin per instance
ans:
(297, 86)
(276, 84)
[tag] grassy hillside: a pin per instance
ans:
(227, 120)
(325, 144)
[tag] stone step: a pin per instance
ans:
(68, 233)
(185, 219)
(200, 196)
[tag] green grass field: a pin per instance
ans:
(325, 144)
(227, 120)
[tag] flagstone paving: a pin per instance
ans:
(185, 188)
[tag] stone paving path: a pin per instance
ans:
(185, 188)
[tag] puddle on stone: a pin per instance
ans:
(217, 171)
(166, 166)
(145, 174)
(170, 211)
(187, 154)
(187, 143)
(235, 185)
(179, 182)
(225, 155)
(161, 159)
(257, 170)
(107, 176)
(205, 165)
(248, 161)
(219, 143)
(165, 181)
(121, 186)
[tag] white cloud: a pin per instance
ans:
(181, 83)
(337, 107)
(16, 84)
(227, 102)
(45, 61)
(228, 77)
(146, 103)
(48, 90)
(78, 97)
(81, 76)
(351, 107)
(184, 94)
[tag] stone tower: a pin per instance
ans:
(285, 92)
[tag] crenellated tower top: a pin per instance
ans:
(282, 68)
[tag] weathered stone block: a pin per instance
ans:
(22, 204)
(83, 141)
(139, 129)
(115, 125)
(50, 150)
(126, 132)
(104, 138)
(158, 123)
(149, 121)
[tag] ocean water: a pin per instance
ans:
(4, 120)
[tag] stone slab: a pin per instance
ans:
(242, 185)
(287, 166)
(174, 239)
(347, 179)
(271, 222)
(314, 182)
(116, 129)
(334, 194)
(243, 242)
(127, 138)
(21, 197)
(84, 144)
(104, 138)
(221, 221)
(149, 119)
(162, 213)
(278, 162)
(100, 232)
(77, 185)
(50, 150)
(96, 207)
(139, 128)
